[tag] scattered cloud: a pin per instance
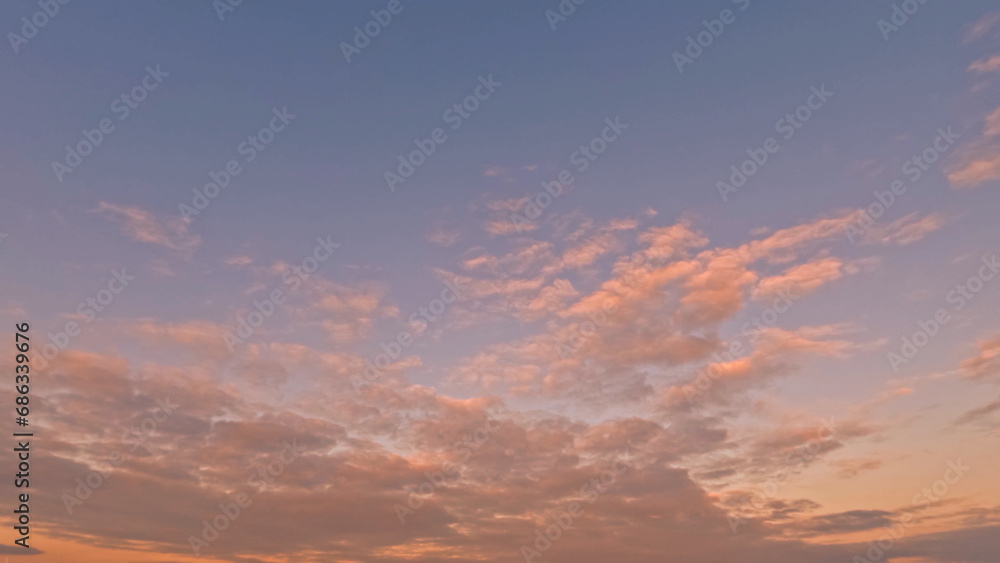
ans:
(906, 230)
(142, 226)
(239, 261)
(987, 65)
(981, 27)
(978, 161)
(986, 364)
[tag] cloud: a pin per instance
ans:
(802, 279)
(443, 231)
(992, 123)
(981, 27)
(978, 414)
(443, 236)
(503, 227)
(978, 161)
(850, 521)
(364, 455)
(972, 544)
(987, 65)
(203, 338)
(660, 305)
(498, 172)
(674, 295)
(985, 365)
(849, 468)
(906, 230)
(785, 245)
(142, 226)
(346, 312)
(239, 261)
(771, 352)
(977, 167)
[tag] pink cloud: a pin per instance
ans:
(981, 27)
(142, 226)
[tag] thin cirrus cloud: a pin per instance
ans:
(981, 27)
(905, 230)
(143, 226)
(986, 364)
(978, 161)
(987, 65)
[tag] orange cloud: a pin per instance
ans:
(986, 365)
(803, 279)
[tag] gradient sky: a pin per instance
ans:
(736, 466)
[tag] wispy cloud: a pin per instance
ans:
(981, 27)
(142, 226)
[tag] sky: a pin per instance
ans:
(402, 281)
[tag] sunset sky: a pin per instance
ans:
(504, 281)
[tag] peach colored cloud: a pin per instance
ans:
(661, 305)
(203, 338)
(803, 279)
(981, 27)
(992, 123)
(443, 236)
(141, 225)
(989, 64)
(767, 353)
(239, 261)
(905, 230)
(978, 161)
(366, 452)
(985, 365)
(976, 169)
(346, 313)
(503, 227)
